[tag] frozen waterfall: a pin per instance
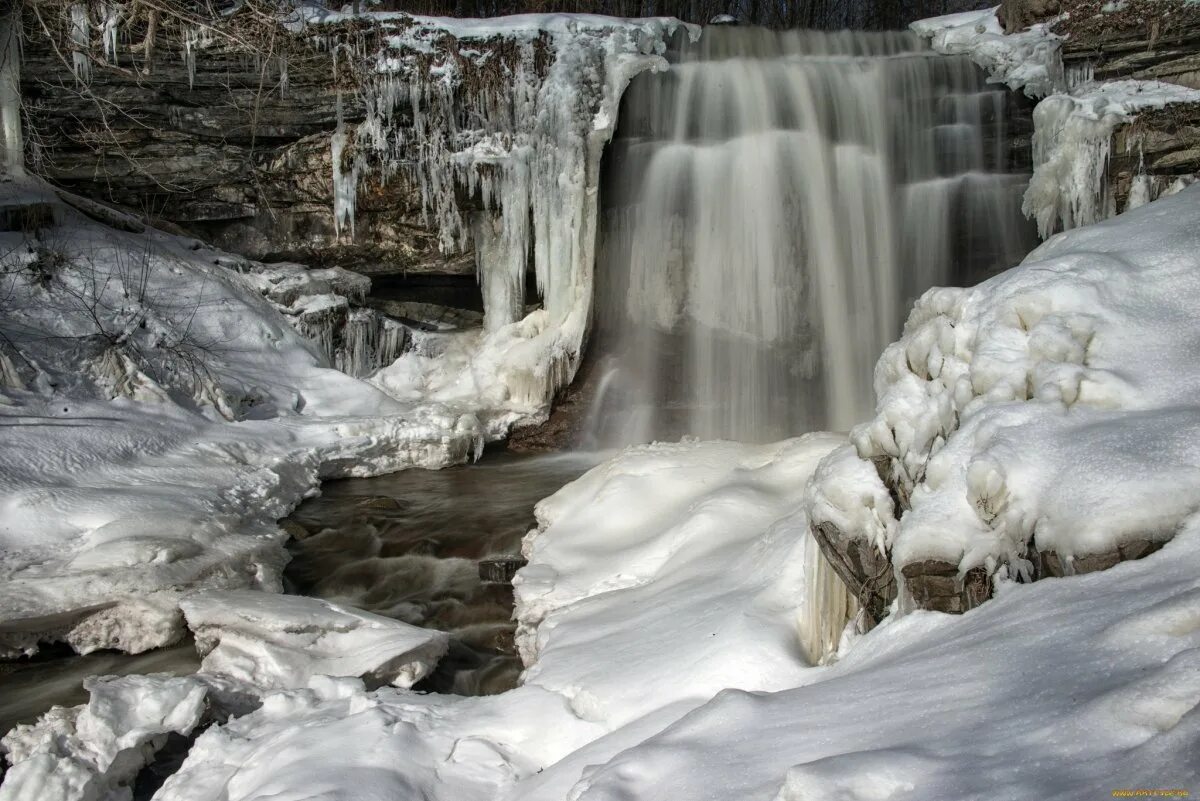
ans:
(772, 204)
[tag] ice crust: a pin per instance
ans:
(281, 641)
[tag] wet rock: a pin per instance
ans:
(500, 569)
(1049, 563)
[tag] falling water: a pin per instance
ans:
(773, 203)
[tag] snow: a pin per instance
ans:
(94, 751)
(1051, 408)
(1065, 689)
(1028, 60)
(673, 560)
(280, 642)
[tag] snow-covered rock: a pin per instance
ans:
(281, 641)
(1049, 414)
(1028, 60)
(93, 752)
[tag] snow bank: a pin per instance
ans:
(335, 742)
(1050, 410)
(1066, 689)
(1029, 60)
(95, 751)
(160, 417)
(282, 641)
(670, 573)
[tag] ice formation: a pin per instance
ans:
(81, 41)
(1071, 146)
(515, 113)
(95, 751)
(1030, 60)
(279, 641)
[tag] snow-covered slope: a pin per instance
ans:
(159, 415)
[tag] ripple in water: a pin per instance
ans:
(408, 545)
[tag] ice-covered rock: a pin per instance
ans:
(281, 641)
(93, 752)
(1072, 145)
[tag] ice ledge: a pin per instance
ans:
(281, 641)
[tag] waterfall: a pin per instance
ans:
(773, 203)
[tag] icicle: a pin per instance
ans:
(10, 93)
(81, 34)
(828, 605)
(345, 184)
(191, 40)
(283, 76)
(112, 22)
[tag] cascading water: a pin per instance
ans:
(773, 203)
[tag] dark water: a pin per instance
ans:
(408, 545)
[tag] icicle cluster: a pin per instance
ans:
(513, 119)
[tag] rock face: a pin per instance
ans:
(227, 150)
(1017, 15)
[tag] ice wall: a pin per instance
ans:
(777, 201)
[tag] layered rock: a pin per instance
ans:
(230, 147)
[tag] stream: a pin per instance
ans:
(405, 545)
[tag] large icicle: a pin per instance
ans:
(10, 92)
